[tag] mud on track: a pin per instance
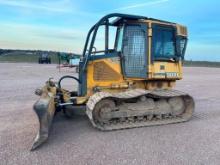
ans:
(75, 141)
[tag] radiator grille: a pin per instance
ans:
(102, 72)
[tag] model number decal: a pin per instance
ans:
(167, 74)
(171, 74)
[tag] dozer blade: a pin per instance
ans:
(44, 108)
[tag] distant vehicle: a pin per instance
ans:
(75, 63)
(44, 58)
(69, 60)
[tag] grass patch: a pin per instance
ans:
(29, 58)
(33, 58)
(201, 64)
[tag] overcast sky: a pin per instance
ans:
(62, 25)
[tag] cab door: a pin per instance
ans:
(134, 51)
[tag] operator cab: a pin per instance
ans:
(138, 41)
(128, 36)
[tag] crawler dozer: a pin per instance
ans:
(127, 84)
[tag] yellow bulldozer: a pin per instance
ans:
(129, 83)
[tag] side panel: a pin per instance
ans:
(134, 51)
(104, 73)
(163, 68)
(166, 70)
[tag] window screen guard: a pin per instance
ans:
(134, 51)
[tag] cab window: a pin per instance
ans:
(99, 44)
(163, 42)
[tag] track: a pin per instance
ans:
(138, 108)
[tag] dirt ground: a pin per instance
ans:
(75, 141)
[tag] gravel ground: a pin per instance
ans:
(75, 141)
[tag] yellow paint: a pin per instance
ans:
(169, 67)
(160, 74)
